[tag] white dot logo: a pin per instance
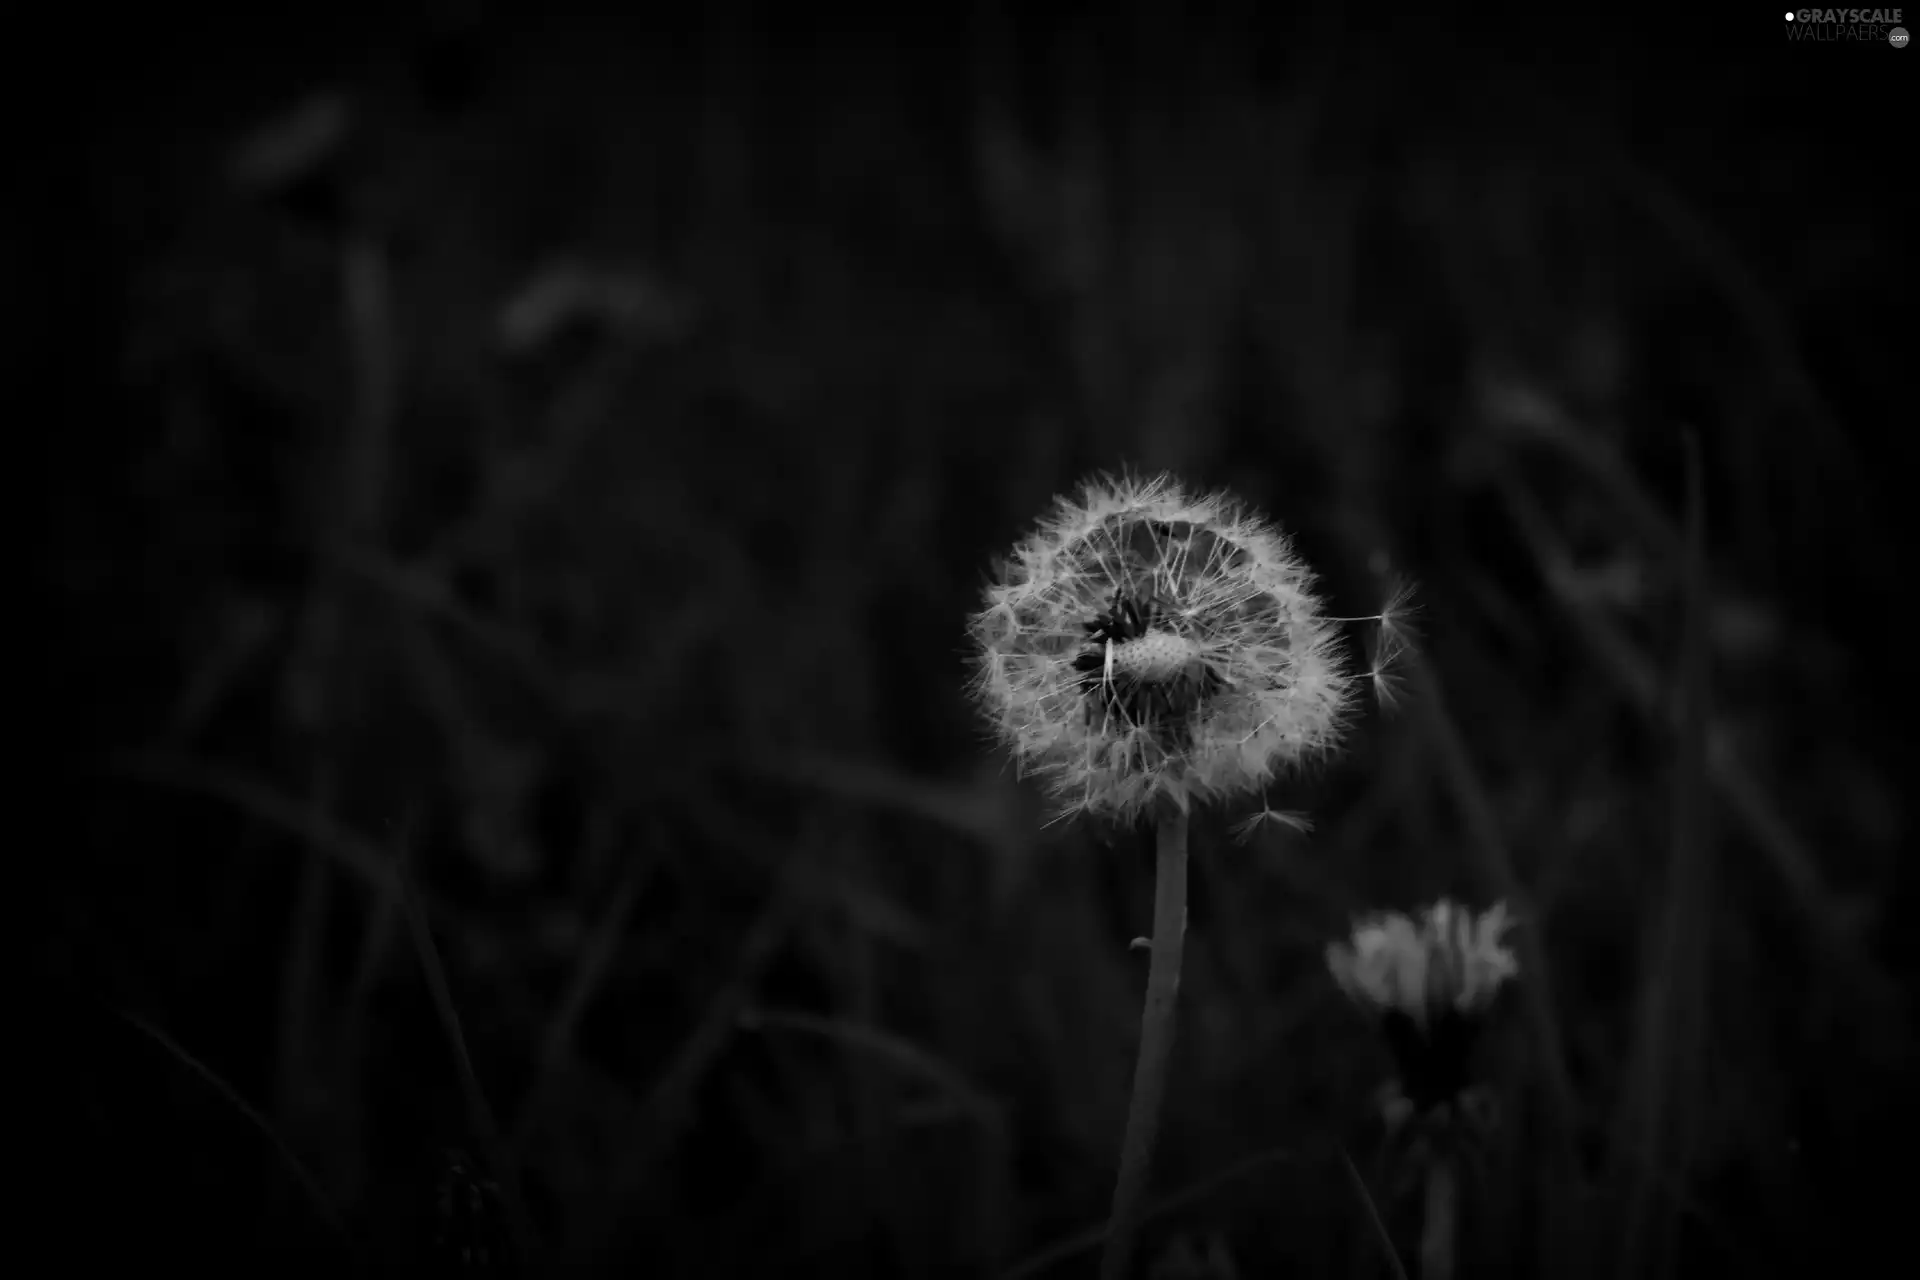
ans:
(1897, 37)
(1789, 17)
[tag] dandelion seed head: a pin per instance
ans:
(1145, 646)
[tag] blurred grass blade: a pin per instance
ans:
(909, 1058)
(323, 1205)
(1373, 1216)
(1790, 858)
(1086, 1241)
(480, 1114)
(590, 970)
(1663, 1096)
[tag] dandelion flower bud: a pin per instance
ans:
(1145, 646)
(1430, 978)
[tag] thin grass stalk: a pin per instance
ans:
(1560, 1180)
(323, 1204)
(1156, 1043)
(355, 507)
(1667, 1090)
(1483, 822)
(590, 971)
(480, 1115)
(1059, 1251)
(1749, 803)
(903, 1056)
(1374, 1220)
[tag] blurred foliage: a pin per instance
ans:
(570, 452)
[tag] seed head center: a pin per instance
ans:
(1157, 655)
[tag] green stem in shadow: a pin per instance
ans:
(1437, 1231)
(1156, 1043)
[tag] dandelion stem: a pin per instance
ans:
(1437, 1233)
(1156, 1043)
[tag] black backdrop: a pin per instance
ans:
(568, 447)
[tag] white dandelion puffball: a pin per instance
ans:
(1442, 960)
(1144, 646)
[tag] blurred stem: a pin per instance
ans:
(1156, 1043)
(480, 1115)
(1665, 1096)
(353, 510)
(1442, 1209)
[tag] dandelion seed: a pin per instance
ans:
(1244, 829)
(1147, 646)
(1430, 978)
(1392, 641)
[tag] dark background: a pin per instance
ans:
(567, 449)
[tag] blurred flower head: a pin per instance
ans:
(1430, 978)
(1147, 646)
